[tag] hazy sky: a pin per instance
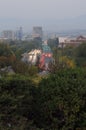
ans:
(34, 12)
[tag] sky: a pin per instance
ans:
(50, 14)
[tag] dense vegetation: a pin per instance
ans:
(58, 102)
(20, 47)
(53, 102)
(77, 53)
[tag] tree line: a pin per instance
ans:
(56, 102)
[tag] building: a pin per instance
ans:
(41, 58)
(19, 34)
(31, 57)
(63, 41)
(8, 35)
(46, 57)
(37, 32)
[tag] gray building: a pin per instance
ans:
(37, 32)
(8, 34)
(19, 34)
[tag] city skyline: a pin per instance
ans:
(51, 15)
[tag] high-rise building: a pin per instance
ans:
(37, 32)
(19, 34)
(8, 34)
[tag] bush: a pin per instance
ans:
(63, 100)
(15, 102)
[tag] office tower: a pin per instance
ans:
(19, 34)
(37, 32)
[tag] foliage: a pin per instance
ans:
(5, 50)
(7, 57)
(24, 46)
(16, 102)
(21, 68)
(67, 62)
(53, 43)
(58, 102)
(62, 62)
(55, 102)
(81, 50)
(62, 100)
(80, 55)
(69, 51)
(77, 53)
(14, 59)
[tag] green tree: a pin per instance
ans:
(62, 100)
(5, 50)
(80, 54)
(16, 98)
(22, 68)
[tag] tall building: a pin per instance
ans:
(8, 34)
(37, 32)
(19, 34)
